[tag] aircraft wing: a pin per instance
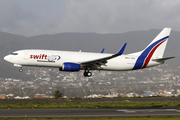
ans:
(96, 63)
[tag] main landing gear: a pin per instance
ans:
(87, 73)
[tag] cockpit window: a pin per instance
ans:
(14, 53)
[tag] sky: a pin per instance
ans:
(37, 17)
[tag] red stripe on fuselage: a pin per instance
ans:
(151, 53)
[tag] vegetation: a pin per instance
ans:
(120, 104)
(57, 94)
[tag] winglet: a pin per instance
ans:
(122, 49)
(103, 61)
(102, 51)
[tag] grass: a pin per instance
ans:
(120, 104)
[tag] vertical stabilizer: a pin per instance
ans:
(154, 50)
(157, 47)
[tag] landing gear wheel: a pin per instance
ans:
(20, 70)
(87, 73)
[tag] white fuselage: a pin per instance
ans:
(53, 58)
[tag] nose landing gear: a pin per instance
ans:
(87, 73)
(20, 70)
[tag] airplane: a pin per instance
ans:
(71, 61)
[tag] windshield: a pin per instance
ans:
(14, 53)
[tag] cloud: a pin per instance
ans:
(100, 16)
(13, 18)
(109, 16)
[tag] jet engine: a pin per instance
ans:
(68, 66)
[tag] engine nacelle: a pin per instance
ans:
(68, 66)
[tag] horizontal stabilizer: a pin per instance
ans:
(162, 59)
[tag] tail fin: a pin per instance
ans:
(157, 47)
(154, 50)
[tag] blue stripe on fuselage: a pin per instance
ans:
(140, 61)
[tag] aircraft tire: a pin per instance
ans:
(87, 74)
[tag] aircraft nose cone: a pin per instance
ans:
(7, 58)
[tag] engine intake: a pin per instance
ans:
(68, 66)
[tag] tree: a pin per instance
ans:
(57, 94)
